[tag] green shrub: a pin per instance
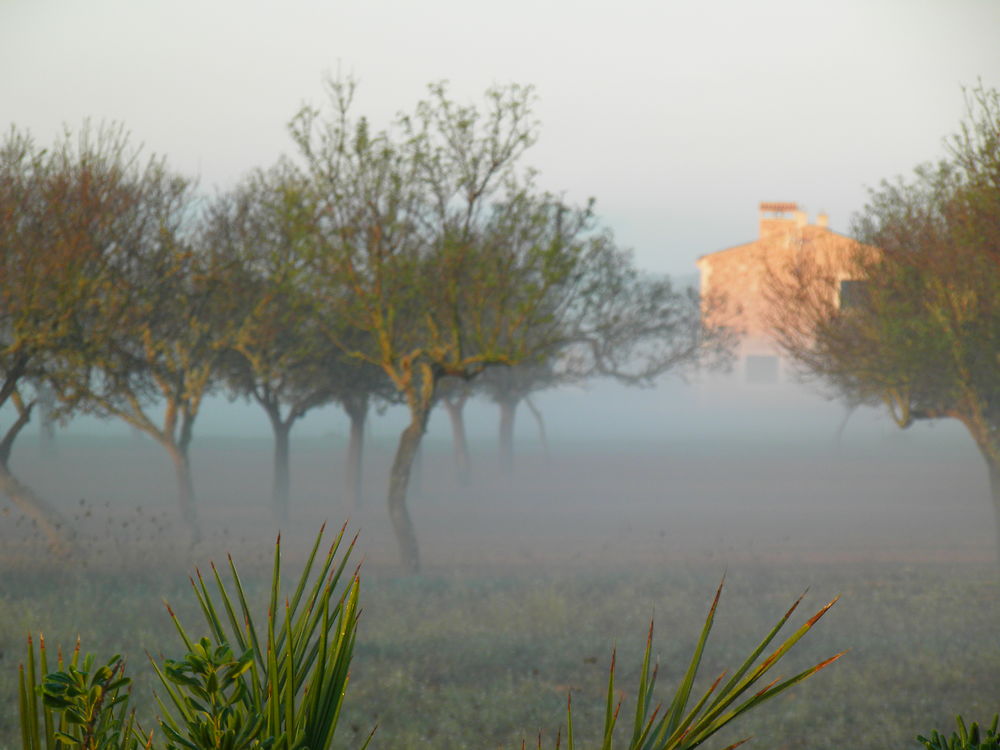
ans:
(282, 687)
(242, 688)
(92, 712)
(966, 738)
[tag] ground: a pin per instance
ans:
(880, 497)
(529, 581)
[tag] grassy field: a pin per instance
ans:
(529, 583)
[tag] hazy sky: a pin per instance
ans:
(677, 116)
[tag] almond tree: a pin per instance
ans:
(280, 356)
(918, 327)
(429, 247)
(73, 221)
(155, 324)
(454, 394)
(277, 357)
(627, 325)
(47, 199)
(359, 386)
(507, 387)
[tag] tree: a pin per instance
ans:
(276, 357)
(626, 325)
(453, 394)
(435, 247)
(152, 328)
(917, 327)
(64, 213)
(39, 276)
(282, 357)
(507, 387)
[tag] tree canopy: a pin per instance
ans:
(76, 222)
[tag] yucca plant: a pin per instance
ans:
(286, 688)
(966, 738)
(679, 725)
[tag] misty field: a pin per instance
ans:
(530, 581)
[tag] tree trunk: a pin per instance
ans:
(282, 477)
(357, 411)
(460, 443)
(47, 437)
(47, 425)
(58, 533)
(508, 410)
(540, 420)
(185, 490)
(399, 479)
(416, 486)
(989, 448)
(839, 434)
(994, 469)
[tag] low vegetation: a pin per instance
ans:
(462, 658)
(284, 686)
(966, 738)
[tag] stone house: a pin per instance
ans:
(734, 281)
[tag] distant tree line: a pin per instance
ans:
(414, 264)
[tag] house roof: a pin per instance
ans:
(807, 232)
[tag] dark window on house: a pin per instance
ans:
(853, 294)
(761, 369)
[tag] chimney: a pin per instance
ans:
(822, 221)
(775, 218)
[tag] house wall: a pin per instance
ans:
(735, 282)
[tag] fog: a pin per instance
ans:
(685, 471)
(641, 502)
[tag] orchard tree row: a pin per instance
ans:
(370, 265)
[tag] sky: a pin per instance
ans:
(678, 117)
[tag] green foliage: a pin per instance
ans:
(966, 738)
(285, 689)
(681, 725)
(214, 699)
(292, 677)
(81, 708)
(88, 704)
